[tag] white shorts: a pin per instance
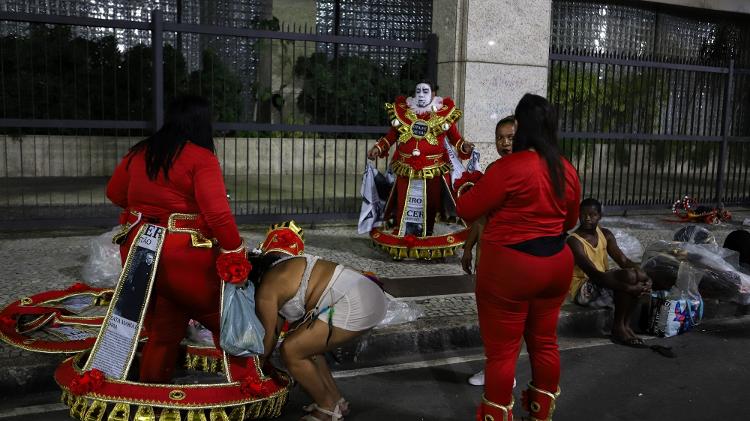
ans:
(352, 301)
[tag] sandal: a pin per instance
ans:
(342, 403)
(336, 414)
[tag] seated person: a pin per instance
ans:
(591, 245)
(326, 305)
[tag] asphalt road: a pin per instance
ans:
(708, 380)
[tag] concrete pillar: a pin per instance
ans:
(491, 53)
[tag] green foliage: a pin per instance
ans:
(53, 74)
(220, 85)
(614, 102)
(351, 90)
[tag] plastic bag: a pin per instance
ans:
(199, 335)
(371, 212)
(629, 245)
(680, 309)
(400, 312)
(103, 266)
(720, 274)
(695, 234)
(241, 331)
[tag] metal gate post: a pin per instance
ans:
(157, 46)
(725, 133)
(432, 58)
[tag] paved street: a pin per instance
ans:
(706, 381)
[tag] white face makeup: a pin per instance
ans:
(423, 94)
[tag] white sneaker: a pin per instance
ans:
(477, 379)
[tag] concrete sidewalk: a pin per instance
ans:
(40, 261)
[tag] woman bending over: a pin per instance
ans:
(326, 305)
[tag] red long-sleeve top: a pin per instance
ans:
(195, 185)
(519, 200)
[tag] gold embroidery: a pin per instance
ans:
(197, 239)
(177, 395)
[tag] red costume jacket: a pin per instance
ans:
(195, 185)
(517, 197)
(422, 132)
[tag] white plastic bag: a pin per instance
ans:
(400, 311)
(629, 245)
(371, 212)
(199, 335)
(102, 267)
(241, 331)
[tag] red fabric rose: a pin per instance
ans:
(233, 267)
(410, 241)
(248, 387)
(78, 286)
(77, 388)
(97, 378)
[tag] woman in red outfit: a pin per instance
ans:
(530, 199)
(173, 179)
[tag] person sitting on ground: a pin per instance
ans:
(591, 245)
(326, 305)
(504, 132)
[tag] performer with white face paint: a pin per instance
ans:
(420, 126)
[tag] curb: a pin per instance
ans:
(34, 372)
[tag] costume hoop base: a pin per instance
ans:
(125, 400)
(413, 247)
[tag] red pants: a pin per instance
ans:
(520, 295)
(186, 287)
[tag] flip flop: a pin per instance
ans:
(630, 342)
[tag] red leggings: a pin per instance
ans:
(520, 295)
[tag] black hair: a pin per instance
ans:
(188, 118)
(261, 264)
(537, 128)
(511, 119)
(591, 202)
(739, 241)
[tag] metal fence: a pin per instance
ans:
(647, 116)
(72, 105)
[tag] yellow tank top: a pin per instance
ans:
(597, 255)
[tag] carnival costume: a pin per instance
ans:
(523, 276)
(193, 207)
(422, 166)
(174, 240)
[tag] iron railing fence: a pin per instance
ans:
(71, 107)
(645, 132)
(654, 100)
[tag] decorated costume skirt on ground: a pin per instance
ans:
(97, 382)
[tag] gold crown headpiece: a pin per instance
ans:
(285, 237)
